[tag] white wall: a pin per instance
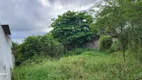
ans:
(5, 56)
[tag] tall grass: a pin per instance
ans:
(90, 65)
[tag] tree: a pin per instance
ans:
(51, 46)
(14, 47)
(72, 29)
(122, 18)
(44, 45)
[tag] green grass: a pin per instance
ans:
(90, 65)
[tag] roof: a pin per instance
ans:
(6, 29)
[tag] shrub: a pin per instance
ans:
(77, 51)
(136, 51)
(38, 45)
(51, 47)
(105, 42)
(116, 45)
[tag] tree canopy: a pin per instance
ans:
(73, 28)
(123, 18)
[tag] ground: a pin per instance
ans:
(90, 65)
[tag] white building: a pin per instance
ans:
(6, 56)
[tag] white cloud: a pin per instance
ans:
(32, 17)
(45, 3)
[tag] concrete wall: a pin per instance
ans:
(93, 44)
(6, 62)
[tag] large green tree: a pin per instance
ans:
(123, 18)
(72, 29)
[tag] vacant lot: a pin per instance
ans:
(90, 65)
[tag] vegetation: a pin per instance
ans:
(116, 46)
(89, 65)
(105, 42)
(72, 29)
(62, 55)
(40, 46)
(122, 19)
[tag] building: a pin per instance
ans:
(6, 56)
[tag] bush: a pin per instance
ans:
(51, 47)
(136, 51)
(77, 51)
(105, 42)
(36, 59)
(116, 45)
(38, 45)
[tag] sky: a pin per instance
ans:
(33, 17)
